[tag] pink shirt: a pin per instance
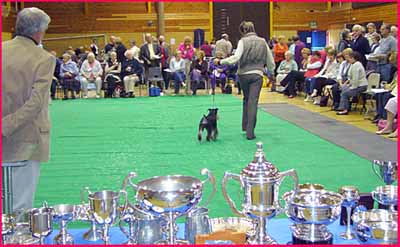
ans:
(186, 53)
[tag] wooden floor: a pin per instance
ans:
(354, 118)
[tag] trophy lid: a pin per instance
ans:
(260, 167)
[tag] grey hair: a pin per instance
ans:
(246, 27)
(31, 21)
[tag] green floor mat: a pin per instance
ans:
(96, 143)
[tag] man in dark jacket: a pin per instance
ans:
(150, 54)
(56, 76)
(360, 44)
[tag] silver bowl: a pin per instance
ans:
(385, 195)
(313, 206)
(376, 226)
(173, 193)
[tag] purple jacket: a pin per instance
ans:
(297, 53)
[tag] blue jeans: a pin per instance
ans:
(309, 85)
(381, 100)
(384, 70)
(178, 77)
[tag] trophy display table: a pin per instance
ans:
(277, 228)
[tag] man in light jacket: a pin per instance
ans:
(27, 75)
(252, 55)
(224, 45)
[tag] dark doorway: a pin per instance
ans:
(228, 16)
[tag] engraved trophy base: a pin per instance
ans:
(63, 239)
(311, 234)
(296, 240)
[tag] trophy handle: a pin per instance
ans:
(228, 176)
(128, 180)
(45, 204)
(86, 189)
(126, 201)
(211, 178)
(292, 173)
(376, 163)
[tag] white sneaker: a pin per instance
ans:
(314, 93)
(97, 96)
(85, 96)
(183, 84)
(161, 94)
(317, 101)
(308, 99)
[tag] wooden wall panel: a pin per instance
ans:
(297, 16)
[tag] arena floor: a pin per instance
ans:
(96, 143)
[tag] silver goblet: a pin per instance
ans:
(386, 195)
(385, 170)
(63, 214)
(351, 196)
(41, 222)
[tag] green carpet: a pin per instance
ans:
(96, 143)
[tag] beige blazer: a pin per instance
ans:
(27, 72)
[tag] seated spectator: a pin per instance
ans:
(206, 48)
(382, 98)
(56, 76)
(91, 72)
(313, 68)
(342, 77)
(325, 77)
(113, 70)
(131, 73)
(357, 82)
(345, 41)
(286, 67)
(199, 71)
(391, 109)
(218, 72)
(289, 82)
(177, 67)
(68, 72)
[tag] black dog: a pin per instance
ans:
(209, 123)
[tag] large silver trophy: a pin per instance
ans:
(385, 170)
(63, 214)
(41, 222)
(260, 181)
(104, 207)
(312, 210)
(170, 197)
(375, 227)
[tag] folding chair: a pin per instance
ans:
(373, 82)
(155, 75)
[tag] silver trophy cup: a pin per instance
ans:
(144, 228)
(83, 213)
(312, 210)
(351, 196)
(375, 227)
(63, 214)
(385, 170)
(260, 181)
(386, 195)
(197, 222)
(104, 208)
(170, 197)
(41, 222)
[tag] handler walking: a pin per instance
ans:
(252, 55)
